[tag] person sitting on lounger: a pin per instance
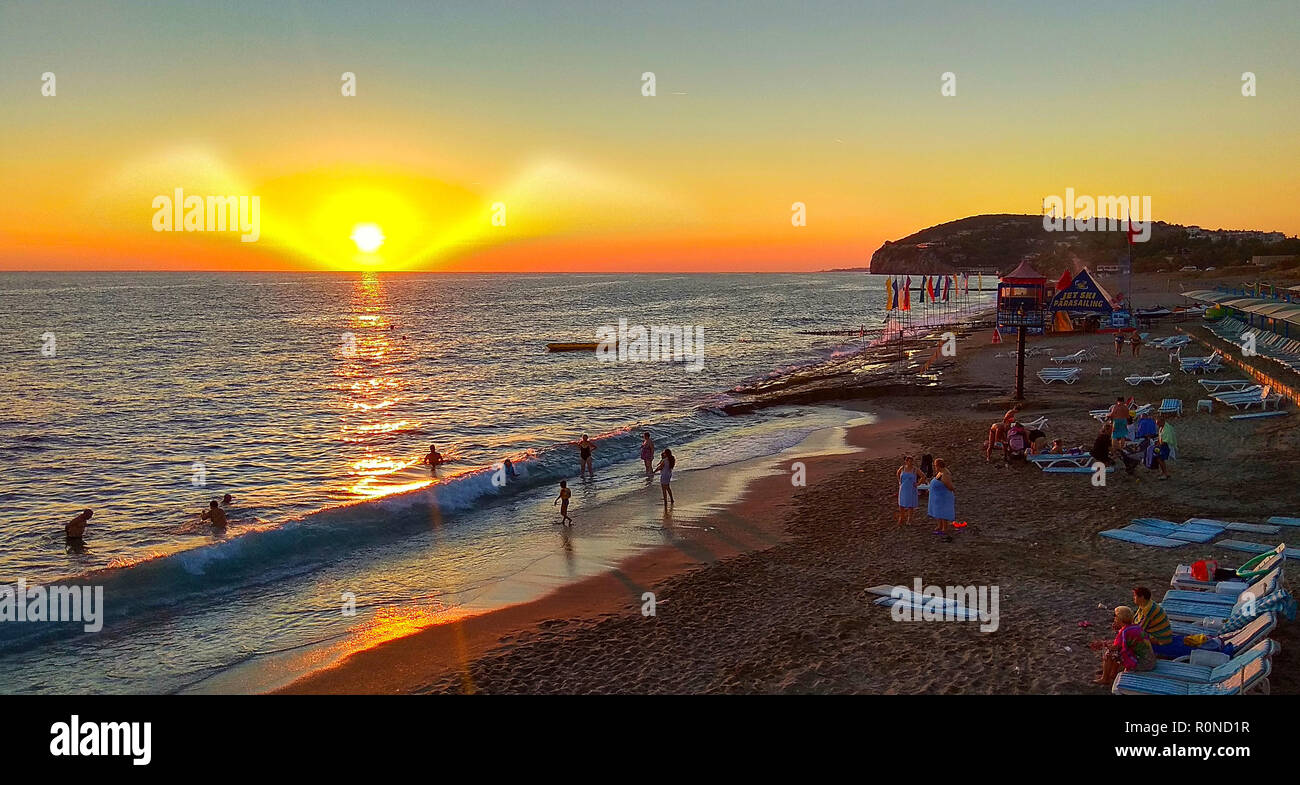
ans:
(1057, 448)
(1155, 624)
(1131, 650)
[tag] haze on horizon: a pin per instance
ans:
(539, 108)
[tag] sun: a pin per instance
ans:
(368, 237)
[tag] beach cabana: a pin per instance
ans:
(1021, 294)
(1021, 297)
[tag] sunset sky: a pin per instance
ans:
(539, 106)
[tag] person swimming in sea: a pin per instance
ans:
(215, 514)
(510, 469)
(584, 454)
(227, 500)
(565, 493)
(432, 460)
(75, 530)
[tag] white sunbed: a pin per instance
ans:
(1215, 385)
(1052, 460)
(1155, 378)
(1067, 375)
(1077, 357)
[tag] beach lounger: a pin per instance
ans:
(1237, 676)
(1067, 375)
(1049, 460)
(1263, 586)
(1077, 357)
(1258, 629)
(1185, 536)
(1155, 378)
(1282, 520)
(1171, 406)
(1036, 425)
(1257, 415)
(1243, 546)
(1217, 607)
(1263, 397)
(1218, 385)
(1202, 525)
(1183, 669)
(1238, 526)
(1251, 570)
(1123, 535)
(1073, 470)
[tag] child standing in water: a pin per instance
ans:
(665, 469)
(565, 493)
(907, 496)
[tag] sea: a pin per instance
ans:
(310, 398)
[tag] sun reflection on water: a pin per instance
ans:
(373, 380)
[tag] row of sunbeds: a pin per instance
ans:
(1283, 351)
(1242, 613)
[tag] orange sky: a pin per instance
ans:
(466, 109)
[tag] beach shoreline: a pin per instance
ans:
(750, 522)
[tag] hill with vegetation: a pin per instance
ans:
(1000, 242)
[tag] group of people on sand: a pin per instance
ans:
(74, 531)
(1017, 440)
(934, 475)
(586, 448)
(1147, 439)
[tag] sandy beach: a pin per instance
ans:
(772, 601)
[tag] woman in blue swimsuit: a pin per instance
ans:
(943, 500)
(907, 496)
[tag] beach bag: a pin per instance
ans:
(1203, 569)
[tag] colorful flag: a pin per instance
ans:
(931, 285)
(907, 293)
(889, 298)
(893, 303)
(947, 287)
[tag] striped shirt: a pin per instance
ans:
(1154, 621)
